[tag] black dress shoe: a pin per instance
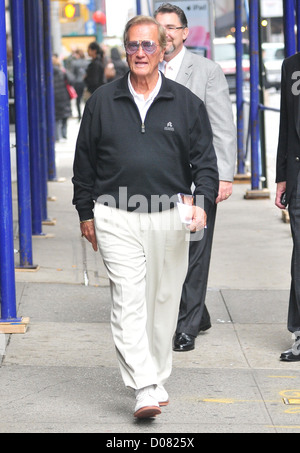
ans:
(288, 356)
(183, 342)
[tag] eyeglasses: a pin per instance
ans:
(173, 28)
(149, 47)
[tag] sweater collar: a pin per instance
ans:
(122, 89)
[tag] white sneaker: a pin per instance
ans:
(161, 395)
(147, 405)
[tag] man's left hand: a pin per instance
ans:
(199, 219)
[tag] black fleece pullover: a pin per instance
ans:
(116, 153)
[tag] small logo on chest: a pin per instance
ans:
(169, 127)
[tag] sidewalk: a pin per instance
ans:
(62, 375)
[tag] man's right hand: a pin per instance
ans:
(281, 188)
(88, 231)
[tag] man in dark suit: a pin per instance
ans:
(206, 80)
(288, 185)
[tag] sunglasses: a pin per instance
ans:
(149, 47)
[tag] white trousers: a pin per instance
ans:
(146, 257)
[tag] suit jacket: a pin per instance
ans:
(288, 153)
(207, 81)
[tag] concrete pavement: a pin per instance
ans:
(62, 375)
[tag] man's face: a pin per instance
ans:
(175, 37)
(140, 63)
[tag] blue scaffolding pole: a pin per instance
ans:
(49, 91)
(42, 124)
(254, 96)
(22, 134)
(7, 266)
(138, 7)
(31, 26)
(239, 85)
(289, 27)
(298, 23)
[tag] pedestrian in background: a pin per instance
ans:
(148, 139)
(95, 71)
(63, 110)
(121, 67)
(78, 67)
(288, 186)
(207, 81)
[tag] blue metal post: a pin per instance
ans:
(239, 85)
(138, 7)
(254, 97)
(42, 110)
(31, 26)
(289, 27)
(22, 133)
(298, 24)
(49, 91)
(7, 265)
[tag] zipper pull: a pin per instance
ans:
(143, 130)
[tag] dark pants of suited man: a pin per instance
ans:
(193, 313)
(294, 304)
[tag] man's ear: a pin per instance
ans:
(186, 32)
(162, 55)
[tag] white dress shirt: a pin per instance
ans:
(170, 69)
(142, 104)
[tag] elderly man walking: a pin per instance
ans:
(143, 140)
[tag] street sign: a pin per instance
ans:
(90, 27)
